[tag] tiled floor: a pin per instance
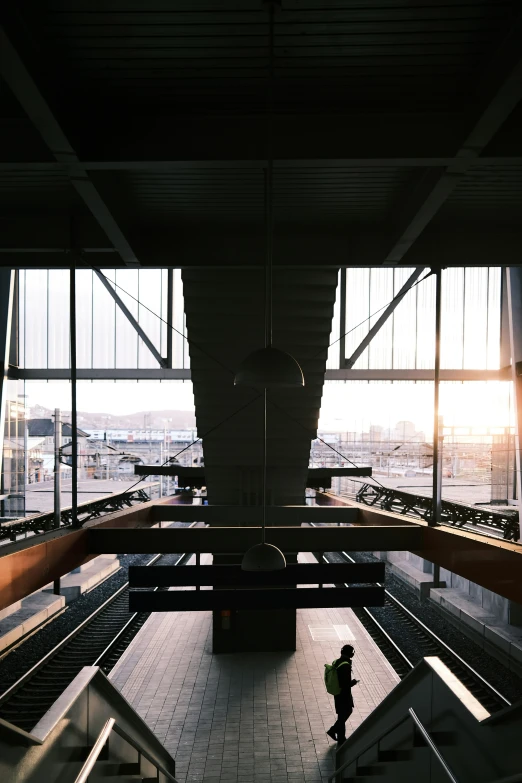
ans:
(252, 717)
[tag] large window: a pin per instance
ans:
(470, 319)
(105, 337)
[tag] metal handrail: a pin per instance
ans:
(98, 746)
(368, 746)
(425, 734)
(431, 745)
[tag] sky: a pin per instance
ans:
(346, 407)
(354, 406)
(113, 398)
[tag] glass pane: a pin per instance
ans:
(12, 479)
(452, 318)
(21, 318)
(404, 322)
(29, 450)
(179, 343)
(381, 294)
(84, 308)
(425, 323)
(58, 319)
(475, 318)
(103, 323)
(332, 362)
(493, 349)
(357, 311)
(126, 336)
(35, 311)
(389, 426)
(150, 307)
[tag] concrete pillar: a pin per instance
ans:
(257, 630)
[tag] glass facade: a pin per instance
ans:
(105, 337)
(470, 319)
(386, 424)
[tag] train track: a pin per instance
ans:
(427, 643)
(99, 640)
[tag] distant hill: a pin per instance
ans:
(176, 420)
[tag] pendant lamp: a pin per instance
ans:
(269, 368)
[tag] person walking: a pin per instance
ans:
(343, 699)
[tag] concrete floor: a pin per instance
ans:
(247, 718)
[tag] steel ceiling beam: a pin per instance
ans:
(224, 165)
(418, 375)
(166, 373)
(502, 92)
(383, 318)
(130, 318)
(25, 89)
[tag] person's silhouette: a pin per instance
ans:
(344, 700)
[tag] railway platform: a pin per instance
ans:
(251, 717)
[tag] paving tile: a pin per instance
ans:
(246, 718)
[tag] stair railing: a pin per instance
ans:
(425, 735)
(102, 740)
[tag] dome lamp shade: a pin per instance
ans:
(263, 557)
(269, 368)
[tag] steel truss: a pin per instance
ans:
(455, 514)
(90, 509)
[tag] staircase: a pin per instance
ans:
(90, 734)
(225, 322)
(430, 728)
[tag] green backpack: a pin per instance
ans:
(331, 679)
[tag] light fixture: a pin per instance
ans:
(263, 557)
(268, 367)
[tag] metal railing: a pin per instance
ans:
(102, 741)
(425, 735)
(503, 521)
(87, 511)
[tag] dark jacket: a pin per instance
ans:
(344, 675)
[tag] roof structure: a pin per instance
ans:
(126, 129)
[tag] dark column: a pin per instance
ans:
(259, 630)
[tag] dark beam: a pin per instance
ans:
(234, 576)
(296, 137)
(394, 537)
(160, 374)
(417, 375)
(302, 598)
(164, 374)
(279, 165)
(35, 105)
(501, 92)
(314, 474)
(251, 515)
